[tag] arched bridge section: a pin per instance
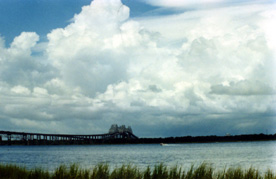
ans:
(121, 135)
(9, 137)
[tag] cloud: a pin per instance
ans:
(244, 87)
(179, 74)
(21, 90)
(201, 4)
(19, 67)
(83, 51)
(187, 3)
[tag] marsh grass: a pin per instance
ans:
(160, 171)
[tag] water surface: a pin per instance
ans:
(260, 155)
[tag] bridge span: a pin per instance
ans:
(25, 138)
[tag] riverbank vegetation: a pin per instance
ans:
(103, 171)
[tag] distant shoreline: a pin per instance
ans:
(166, 140)
(211, 139)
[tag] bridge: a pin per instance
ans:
(24, 138)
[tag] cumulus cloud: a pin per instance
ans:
(19, 67)
(86, 52)
(195, 73)
(20, 90)
(243, 88)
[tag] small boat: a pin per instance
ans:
(162, 144)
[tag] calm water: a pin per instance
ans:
(261, 155)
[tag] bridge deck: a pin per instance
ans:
(10, 136)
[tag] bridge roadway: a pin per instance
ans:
(9, 137)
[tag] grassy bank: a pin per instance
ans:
(103, 171)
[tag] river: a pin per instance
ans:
(260, 155)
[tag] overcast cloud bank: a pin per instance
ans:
(201, 72)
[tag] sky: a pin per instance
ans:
(164, 67)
